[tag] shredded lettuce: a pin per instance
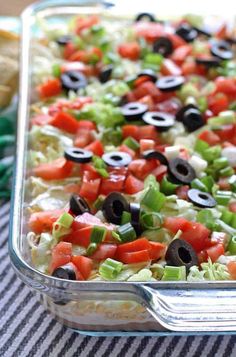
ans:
(210, 271)
(142, 275)
(41, 253)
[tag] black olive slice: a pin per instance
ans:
(65, 272)
(134, 110)
(208, 61)
(148, 73)
(180, 171)
(63, 40)
(145, 15)
(113, 207)
(154, 154)
(192, 119)
(179, 116)
(162, 121)
(105, 73)
(186, 32)
(73, 80)
(78, 205)
(181, 253)
(170, 83)
(135, 217)
(222, 50)
(163, 45)
(202, 31)
(201, 199)
(117, 158)
(78, 155)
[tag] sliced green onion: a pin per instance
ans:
(227, 171)
(167, 187)
(208, 182)
(153, 199)
(225, 227)
(100, 166)
(198, 184)
(228, 118)
(222, 198)
(56, 70)
(151, 220)
(127, 232)
(110, 269)
(157, 271)
(116, 236)
(211, 153)
(98, 234)
(202, 104)
(62, 225)
(153, 58)
(91, 249)
(226, 216)
(99, 202)
(126, 217)
(220, 163)
(150, 180)
(131, 143)
(232, 245)
(65, 220)
(172, 273)
(232, 182)
(201, 146)
(206, 217)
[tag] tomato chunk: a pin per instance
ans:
(83, 264)
(42, 221)
(104, 251)
(130, 50)
(133, 185)
(65, 121)
(61, 254)
(50, 88)
(55, 170)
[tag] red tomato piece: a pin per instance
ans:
(174, 224)
(83, 264)
(147, 99)
(133, 185)
(149, 30)
(125, 148)
(83, 138)
(115, 181)
(219, 237)
(147, 88)
(157, 250)
(90, 188)
(65, 122)
(218, 103)
(134, 257)
(140, 168)
(182, 191)
(130, 50)
(86, 220)
(227, 132)
(50, 88)
(104, 251)
(147, 132)
(223, 183)
(215, 252)
(43, 221)
(226, 85)
(40, 120)
(61, 254)
(180, 53)
(210, 137)
(80, 237)
(176, 40)
(135, 246)
(86, 124)
(232, 269)
(146, 144)
(83, 23)
(197, 236)
(96, 147)
(169, 106)
(55, 170)
(170, 68)
(69, 49)
(130, 130)
(159, 172)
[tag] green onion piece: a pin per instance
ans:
(198, 184)
(227, 117)
(110, 269)
(151, 220)
(153, 58)
(150, 180)
(226, 216)
(206, 217)
(91, 249)
(211, 153)
(201, 146)
(202, 104)
(232, 245)
(100, 166)
(126, 217)
(172, 273)
(98, 234)
(157, 271)
(167, 187)
(62, 225)
(220, 163)
(131, 143)
(116, 236)
(232, 182)
(65, 220)
(208, 182)
(227, 171)
(222, 198)
(99, 202)
(225, 227)
(56, 70)
(126, 232)
(153, 199)
(233, 221)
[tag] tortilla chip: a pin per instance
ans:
(5, 96)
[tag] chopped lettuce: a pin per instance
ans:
(41, 253)
(210, 271)
(142, 275)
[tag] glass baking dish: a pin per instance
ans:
(105, 308)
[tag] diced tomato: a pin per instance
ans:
(86, 124)
(83, 264)
(148, 88)
(140, 80)
(146, 144)
(69, 49)
(169, 106)
(104, 251)
(130, 130)
(159, 172)
(115, 181)
(147, 132)
(40, 120)
(43, 221)
(202, 256)
(134, 257)
(134, 246)
(182, 191)
(226, 85)
(90, 187)
(232, 269)
(50, 88)
(61, 254)
(189, 67)
(55, 170)
(65, 121)
(140, 168)
(170, 68)
(133, 185)
(78, 274)
(147, 99)
(232, 206)
(80, 237)
(180, 53)
(87, 56)
(130, 50)
(87, 220)
(215, 252)
(157, 250)
(226, 133)
(218, 103)
(221, 33)
(210, 137)
(149, 30)
(125, 148)
(86, 69)
(176, 40)
(174, 224)
(96, 147)
(83, 23)
(83, 138)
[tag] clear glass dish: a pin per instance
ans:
(105, 308)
